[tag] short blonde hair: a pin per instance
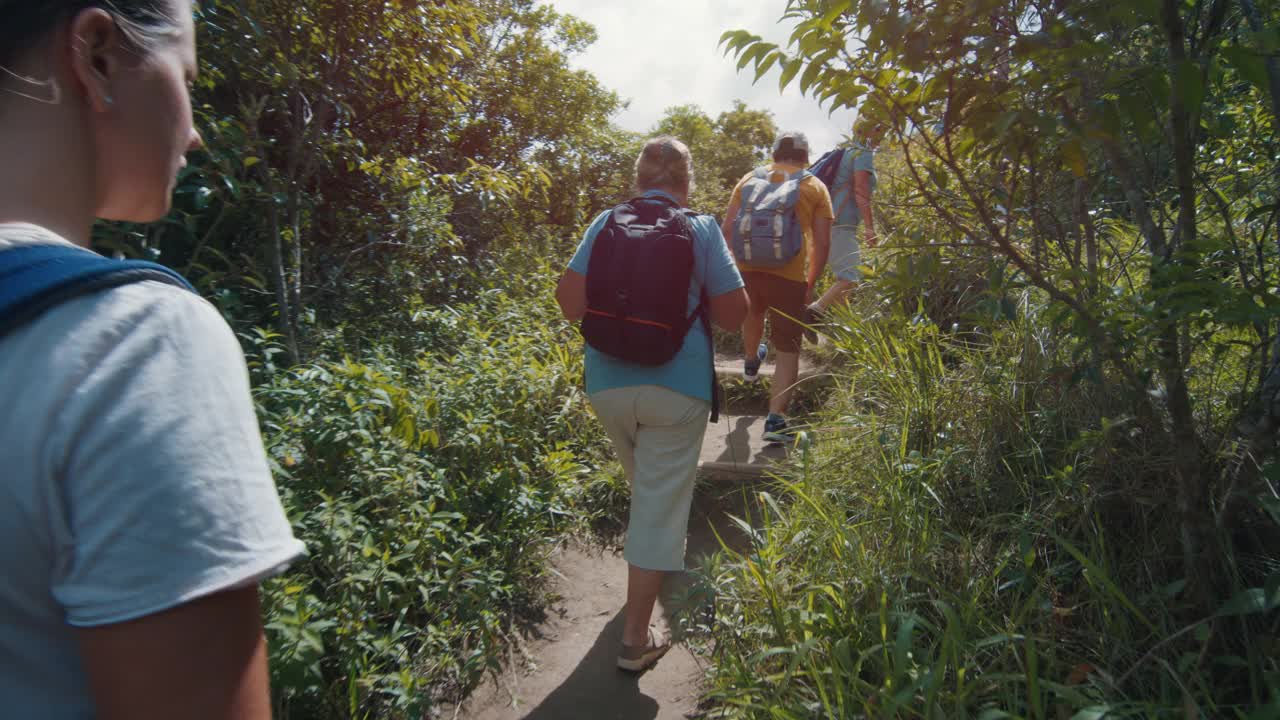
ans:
(665, 164)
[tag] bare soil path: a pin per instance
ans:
(566, 671)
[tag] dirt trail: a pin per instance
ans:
(568, 670)
(565, 669)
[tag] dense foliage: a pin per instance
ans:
(1063, 418)
(1044, 485)
(426, 491)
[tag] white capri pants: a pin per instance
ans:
(657, 433)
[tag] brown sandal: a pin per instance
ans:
(637, 659)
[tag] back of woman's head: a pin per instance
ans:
(27, 24)
(665, 164)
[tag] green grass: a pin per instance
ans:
(971, 533)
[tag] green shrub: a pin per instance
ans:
(425, 491)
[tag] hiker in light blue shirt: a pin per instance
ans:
(854, 184)
(656, 416)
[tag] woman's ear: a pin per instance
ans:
(95, 45)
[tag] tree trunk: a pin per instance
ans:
(295, 226)
(279, 270)
(280, 281)
(1194, 501)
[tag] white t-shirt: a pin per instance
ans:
(132, 477)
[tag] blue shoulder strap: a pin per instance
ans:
(35, 278)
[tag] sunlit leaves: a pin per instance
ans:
(1074, 157)
(789, 69)
(724, 149)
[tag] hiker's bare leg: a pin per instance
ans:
(642, 592)
(838, 292)
(753, 330)
(786, 371)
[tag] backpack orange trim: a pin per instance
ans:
(664, 326)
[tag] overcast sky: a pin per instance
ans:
(661, 53)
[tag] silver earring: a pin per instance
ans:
(110, 101)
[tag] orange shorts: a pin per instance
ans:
(785, 300)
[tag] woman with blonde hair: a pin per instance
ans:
(655, 414)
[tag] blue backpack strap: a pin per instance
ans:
(35, 278)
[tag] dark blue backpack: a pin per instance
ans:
(638, 278)
(35, 278)
(827, 166)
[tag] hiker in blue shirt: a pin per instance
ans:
(854, 185)
(656, 415)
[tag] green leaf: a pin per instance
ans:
(1272, 506)
(1073, 156)
(1266, 41)
(732, 40)
(811, 43)
(1254, 214)
(837, 9)
(1156, 83)
(1138, 110)
(1146, 10)
(1189, 83)
(1000, 639)
(1253, 601)
(1250, 65)
(789, 69)
(816, 66)
(737, 40)
(764, 65)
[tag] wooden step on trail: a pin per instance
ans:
(734, 449)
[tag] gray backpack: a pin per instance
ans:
(766, 232)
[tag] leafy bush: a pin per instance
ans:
(424, 492)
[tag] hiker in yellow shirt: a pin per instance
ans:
(777, 215)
